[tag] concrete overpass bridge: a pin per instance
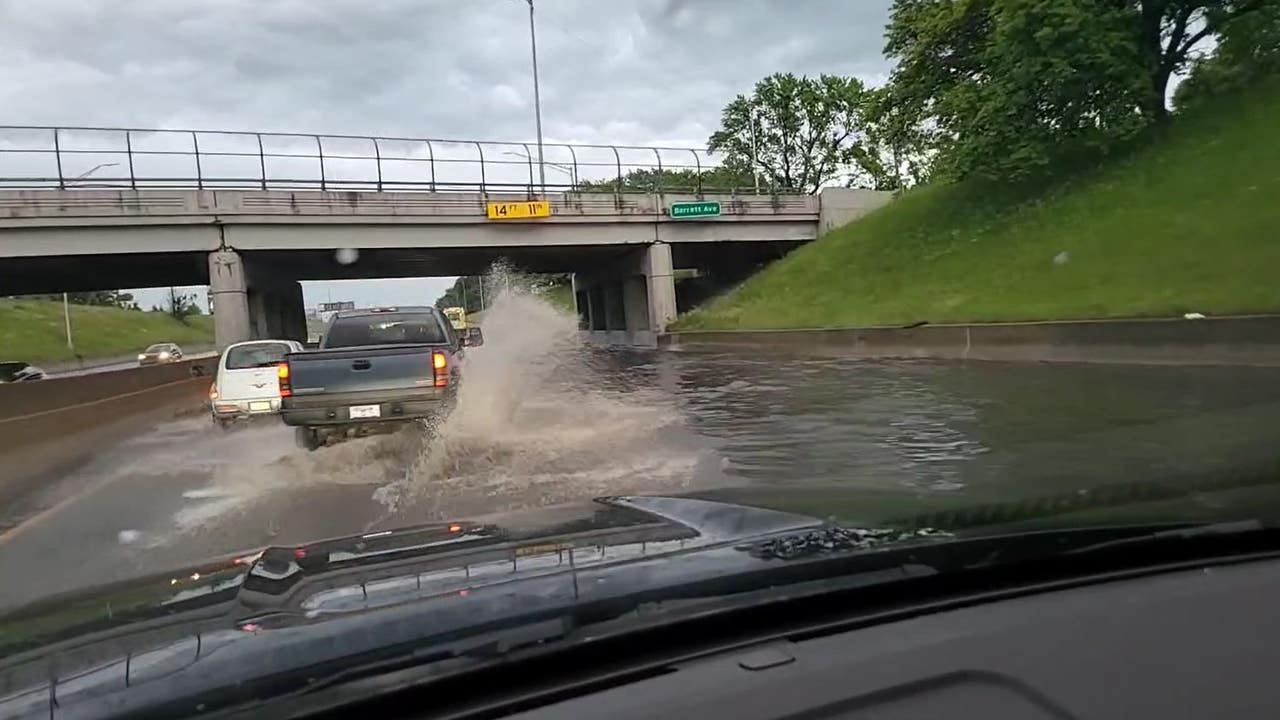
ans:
(251, 239)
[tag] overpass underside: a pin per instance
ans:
(253, 248)
(625, 293)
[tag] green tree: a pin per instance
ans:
(717, 179)
(180, 305)
(1168, 33)
(798, 133)
(466, 292)
(106, 298)
(1248, 50)
(898, 141)
(1006, 85)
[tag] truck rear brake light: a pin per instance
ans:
(440, 369)
(282, 376)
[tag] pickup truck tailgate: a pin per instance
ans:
(361, 369)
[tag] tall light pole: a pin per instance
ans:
(755, 175)
(66, 318)
(66, 303)
(537, 100)
(572, 172)
(92, 170)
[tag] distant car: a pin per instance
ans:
(159, 354)
(246, 384)
(16, 371)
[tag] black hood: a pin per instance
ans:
(259, 612)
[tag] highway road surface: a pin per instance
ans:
(864, 438)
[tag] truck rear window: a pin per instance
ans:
(385, 329)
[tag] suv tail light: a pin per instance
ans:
(440, 369)
(213, 391)
(282, 375)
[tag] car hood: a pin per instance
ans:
(351, 594)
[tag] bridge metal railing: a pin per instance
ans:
(139, 158)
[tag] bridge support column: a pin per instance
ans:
(660, 277)
(629, 301)
(230, 300)
(276, 311)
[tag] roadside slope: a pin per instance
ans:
(33, 330)
(1186, 224)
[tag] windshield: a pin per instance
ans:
(384, 329)
(256, 355)
(10, 370)
(438, 315)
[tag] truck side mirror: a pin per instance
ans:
(472, 337)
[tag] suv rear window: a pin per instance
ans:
(256, 355)
(385, 329)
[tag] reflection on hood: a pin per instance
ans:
(202, 625)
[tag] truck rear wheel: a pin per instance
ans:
(306, 438)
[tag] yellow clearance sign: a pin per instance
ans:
(519, 210)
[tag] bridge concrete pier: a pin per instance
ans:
(229, 294)
(630, 300)
(250, 304)
(277, 311)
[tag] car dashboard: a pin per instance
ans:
(1197, 643)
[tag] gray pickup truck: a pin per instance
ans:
(374, 371)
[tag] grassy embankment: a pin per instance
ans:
(1188, 222)
(33, 330)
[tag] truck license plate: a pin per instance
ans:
(365, 411)
(263, 406)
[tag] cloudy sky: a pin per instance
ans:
(620, 71)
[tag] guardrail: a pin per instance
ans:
(134, 158)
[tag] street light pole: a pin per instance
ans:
(755, 175)
(537, 100)
(91, 171)
(567, 170)
(66, 318)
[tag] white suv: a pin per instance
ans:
(247, 384)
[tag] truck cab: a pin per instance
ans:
(457, 317)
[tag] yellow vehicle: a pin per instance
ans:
(457, 317)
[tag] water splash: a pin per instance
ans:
(538, 423)
(541, 419)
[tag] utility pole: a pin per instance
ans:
(755, 176)
(537, 100)
(66, 318)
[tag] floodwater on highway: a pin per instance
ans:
(543, 421)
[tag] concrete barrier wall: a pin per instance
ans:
(47, 428)
(1251, 340)
(21, 399)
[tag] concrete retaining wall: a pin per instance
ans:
(49, 427)
(1250, 340)
(840, 206)
(22, 399)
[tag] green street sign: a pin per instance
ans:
(682, 210)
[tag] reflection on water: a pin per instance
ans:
(948, 426)
(805, 421)
(544, 420)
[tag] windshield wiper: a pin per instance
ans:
(1231, 529)
(832, 539)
